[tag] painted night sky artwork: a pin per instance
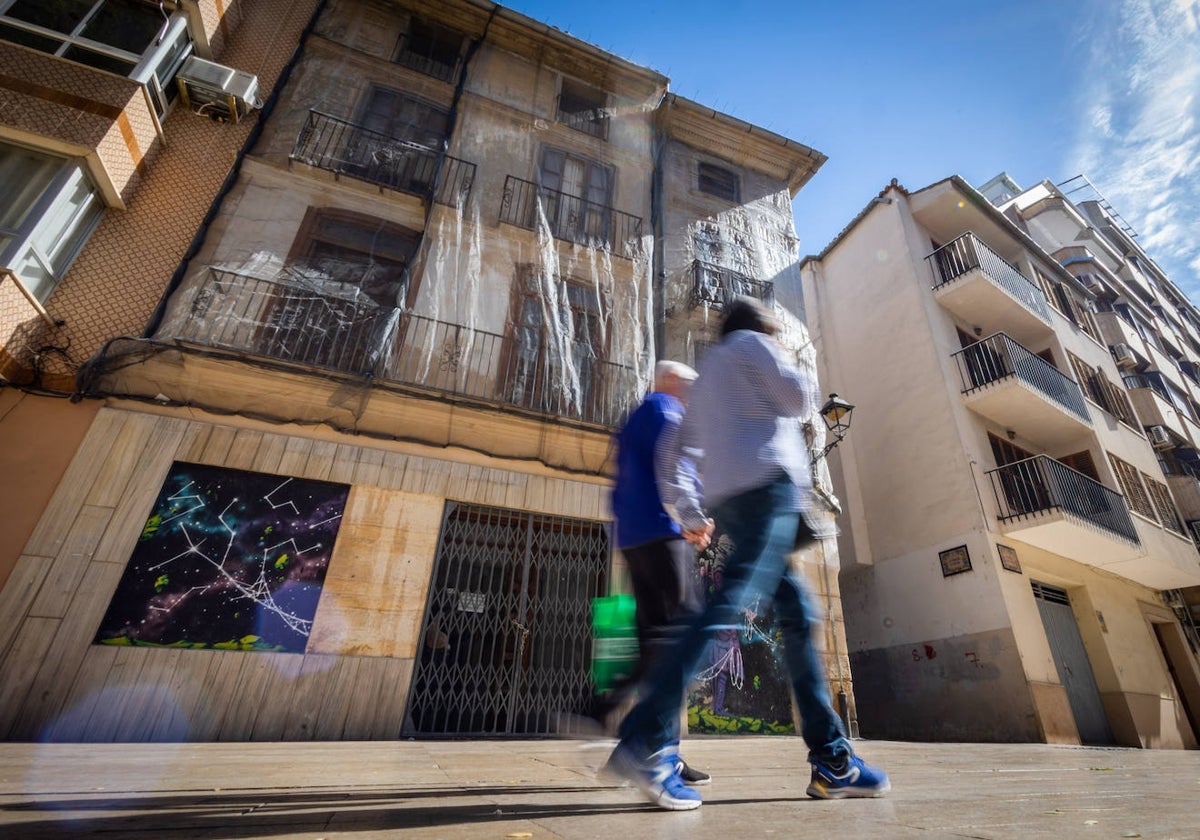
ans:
(228, 559)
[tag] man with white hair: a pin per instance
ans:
(661, 558)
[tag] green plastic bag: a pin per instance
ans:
(614, 640)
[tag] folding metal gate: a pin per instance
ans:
(1071, 660)
(505, 645)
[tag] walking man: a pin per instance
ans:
(743, 426)
(662, 563)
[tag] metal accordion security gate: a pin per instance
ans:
(506, 640)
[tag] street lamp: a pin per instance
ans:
(836, 413)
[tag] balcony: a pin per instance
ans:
(1151, 400)
(716, 287)
(335, 145)
(1051, 506)
(980, 287)
(570, 218)
(289, 319)
(1015, 388)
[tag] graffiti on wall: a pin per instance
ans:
(742, 686)
(227, 559)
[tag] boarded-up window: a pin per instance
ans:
(718, 181)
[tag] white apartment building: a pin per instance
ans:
(1012, 552)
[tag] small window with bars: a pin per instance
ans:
(719, 182)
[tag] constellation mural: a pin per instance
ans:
(227, 559)
(744, 686)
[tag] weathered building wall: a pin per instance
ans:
(352, 682)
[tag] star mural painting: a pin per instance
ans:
(228, 559)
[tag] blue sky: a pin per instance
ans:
(1042, 89)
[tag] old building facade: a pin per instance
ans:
(344, 358)
(1014, 554)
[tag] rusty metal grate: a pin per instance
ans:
(505, 644)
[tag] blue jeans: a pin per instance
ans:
(762, 527)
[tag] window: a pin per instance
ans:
(545, 323)
(44, 225)
(583, 107)
(1103, 393)
(1167, 512)
(718, 181)
(578, 196)
(132, 38)
(397, 140)
(431, 49)
(362, 251)
(1131, 485)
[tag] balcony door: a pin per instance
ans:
(400, 140)
(349, 278)
(578, 200)
(1024, 483)
(558, 349)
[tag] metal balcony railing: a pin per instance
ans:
(570, 217)
(336, 145)
(967, 252)
(1040, 484)
(455, 359)
(998, 357)
(417, 54)
(287, 318)
(716, 287)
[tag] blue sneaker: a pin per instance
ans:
(853, 777)
(656, 777)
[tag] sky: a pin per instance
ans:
(919, 91)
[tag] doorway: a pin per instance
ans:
(1071, 661)
(506, 641)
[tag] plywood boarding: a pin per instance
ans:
(352, 682)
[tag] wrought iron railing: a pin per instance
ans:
(1040, 484)
(570, 217)
(998, 357)
(336, 145)
(968, 252)
(417, 60)
(715, 286)
(291, 319)
(456, 359)
(593, 121)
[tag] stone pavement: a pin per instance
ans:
(543, 790)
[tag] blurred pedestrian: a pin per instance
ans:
(743, 428)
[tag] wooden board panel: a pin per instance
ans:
(109, 482)
(68, 722)
(71, 563)
(18, 593)
(319, 676)
(280, 682)
(60, 673)
(19, 667)
(47, 537)
(245, 446)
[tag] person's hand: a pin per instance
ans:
(700, 537)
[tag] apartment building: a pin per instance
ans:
(1012, 551)
(337, 450)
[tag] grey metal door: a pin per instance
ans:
(505, 645)
(1071, 660)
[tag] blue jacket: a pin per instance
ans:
(636, 506)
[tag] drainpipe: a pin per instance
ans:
(657, 262)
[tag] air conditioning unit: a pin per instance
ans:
(1160, 438)
(1123, 353)
(216, 90)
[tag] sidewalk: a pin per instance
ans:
(543, 790)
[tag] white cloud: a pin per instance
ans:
(1140, 116)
